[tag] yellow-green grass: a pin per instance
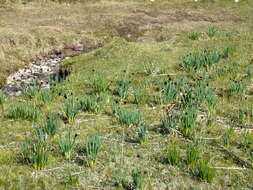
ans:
(31, 29)
(121, 58)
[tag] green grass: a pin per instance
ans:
(138, 179)
(23, 111)
(143, 134)
(67, 144)
(92, 148)
(89, 104)
(204, 172)
(202, 59)
(71, 108)
(144, 42)
(127, 117)
(192, 155)
(2, 100)
(173, 155)
(35, 153)
(52, 124)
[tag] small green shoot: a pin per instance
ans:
(194, 36)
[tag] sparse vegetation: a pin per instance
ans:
(161, 104)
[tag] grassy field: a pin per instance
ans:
(166, 103)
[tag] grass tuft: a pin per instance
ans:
(123, 87)
(202, 59)
(143, 134)
(23, 111)
(35, 153)
(52, 124)
(92, 148)
(138, 179)
(71, 107)
(173, 155)
(99, 83)
(67, 144)
(204, 172)
(2, 100)
(46, 96)
(194, 36)
(192, 155)
(211, 32)
(89, 104)
(127, 117)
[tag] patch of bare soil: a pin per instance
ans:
(133, 26)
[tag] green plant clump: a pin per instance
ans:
(52, 124)
(92, 149)
(89, 104)
(194, 36)
(203, 59)
(127, 117)
(71, 108)
(123, 87)
(138, 179)
(35, 153)
(192, 155)
(67, 144)
(143, 134)
(99, 83)
(204, 171)
(23, 111)
(173, 155)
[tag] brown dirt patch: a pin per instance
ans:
(134, 25)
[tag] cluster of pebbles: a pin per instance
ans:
(40, 69)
